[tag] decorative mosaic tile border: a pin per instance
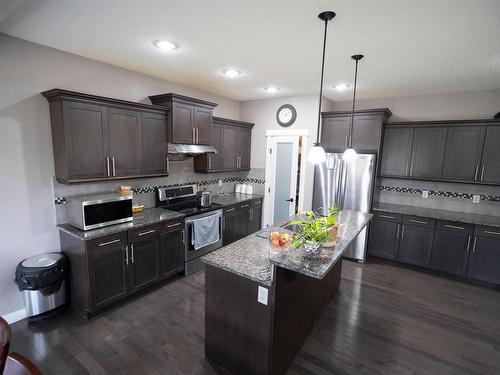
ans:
(438, 193)
(152, 189)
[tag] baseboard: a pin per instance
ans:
(15, 316)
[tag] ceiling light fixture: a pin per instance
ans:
(231, 73)
(317, 153)
(272, 89)
(165, 45)
(350, 153)
(341, 86)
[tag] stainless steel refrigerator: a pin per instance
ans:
(349, 185)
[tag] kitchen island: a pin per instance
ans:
(261, 305)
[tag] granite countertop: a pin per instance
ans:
(147, 217)
(250, 257)
(228, 199)
(464, 217)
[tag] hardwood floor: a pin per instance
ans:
(385, 320)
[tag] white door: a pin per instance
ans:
(282, 179)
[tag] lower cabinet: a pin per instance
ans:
(241, 220)
(172, 249)
(484, 262)
(415, 244)
(384, 235)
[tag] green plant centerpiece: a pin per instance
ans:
(315, 231)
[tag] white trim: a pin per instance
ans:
(284, 132)
(15, 316)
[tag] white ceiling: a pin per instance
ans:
(411, 47)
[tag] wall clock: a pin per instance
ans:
(286, 115)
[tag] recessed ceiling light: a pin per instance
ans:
(271, 89)
(165, 45)
(341, 86)
(231, 73)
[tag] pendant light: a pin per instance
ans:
(317, 153)
(350, 153)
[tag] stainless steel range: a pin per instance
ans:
(203, 228)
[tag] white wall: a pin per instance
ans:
(464, 105)
(27, 222)
(263, 114)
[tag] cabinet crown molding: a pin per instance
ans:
(478, 122)
(160, 98)
(227, 121)
(385, 111)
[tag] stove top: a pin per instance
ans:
(182, 199)
(189, 211)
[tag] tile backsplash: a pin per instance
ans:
(442, 195)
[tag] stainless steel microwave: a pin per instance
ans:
(97, 211)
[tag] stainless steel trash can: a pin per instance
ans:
(42, 281)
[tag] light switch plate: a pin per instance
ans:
(425, 194)
(476, 198)
(262, 295)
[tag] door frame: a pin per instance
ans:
(271, 137)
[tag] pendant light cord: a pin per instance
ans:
(321, 85)
(351, 126)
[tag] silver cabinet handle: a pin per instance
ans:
(108, 243)
(482, 173)
(397, 232)
(346, 137)
(453, 227)
(403, 232)
(230, 209)
(107, 165)
(251, 214)
(183, 241)
(197, 135)
(173, 225)
(490, 232)
(132, 252)
(147, 232)
(244, 205)
(193, 131)
(386, 216)
(418, 221)
(468, 243)
(209, 162)
(126, 255)
(114, 169)
(474, 246)
(475, 173)
(168, 165)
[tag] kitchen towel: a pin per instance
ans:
(205, 231)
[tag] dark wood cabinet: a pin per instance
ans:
(189, 119)
(229, 227)
(396, 152)
(463, 153)
(384, 235)
(255, 223)
(490, 170)
(172, 249)
(366, 131)
(451, 246)
(427, 154)
(232, 140)
(484, 262)
(96, 138)
(107, 270)
(241, 220)
(415, 244)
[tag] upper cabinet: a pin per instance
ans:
(96, 138)
(189, 119)
(366, 131)
(461, 151)
(232, 139)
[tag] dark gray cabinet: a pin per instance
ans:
(229, 148)
(451, 246)
(189, 119)
(484, 262)
(490, 164)
(172, 249)
(334, 133)
(243, 148)
(415, 244)
(229, 226)
(255, 222)
(463, 153)
(154, 144)
(396, 152)
(427, 154)
(241, 220)
(384, 235)
(144, 248)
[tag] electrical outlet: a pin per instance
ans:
(476, 198)
(262, 295)
(425, 194)
(220, 183)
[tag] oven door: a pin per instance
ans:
(191, 253)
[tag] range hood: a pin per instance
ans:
(183, 149)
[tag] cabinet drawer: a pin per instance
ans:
(454, 225)
(230, 209)
(387, 216)
(420, 221)
(107, 241)
(173, 225)
(144, 232)
(492, 232)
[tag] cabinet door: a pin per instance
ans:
(154, 144)
(85, 133)
(384, 235)
(450, 251)
(125, 142)
(144, 245)
(366, 132)
(172, 250)
(229, 147)
(108, 271)
(182, 123)
(415, 244)
(216, 136)
(427, 156)
(255, 223)
(242, 226)
(484, 263)
(463, 153)
(243, 146)
(229, 227)
(396, 152)
(334, 133)
(202, 124)
(490, 168)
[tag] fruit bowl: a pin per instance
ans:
(279, 239)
